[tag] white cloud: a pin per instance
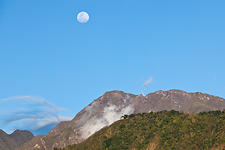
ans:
(28, 112)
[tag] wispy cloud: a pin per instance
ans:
(30, 100)
(147, 82)
(28, 112)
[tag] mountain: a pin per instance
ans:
(160, 131)
(11, 141)
(112, 105)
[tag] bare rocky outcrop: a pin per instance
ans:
(112, 105)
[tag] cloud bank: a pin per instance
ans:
(28, 113)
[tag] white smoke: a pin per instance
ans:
(110, 114)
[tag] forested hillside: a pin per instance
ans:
(165, 130)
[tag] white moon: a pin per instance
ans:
(83, 17)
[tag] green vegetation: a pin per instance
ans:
(165, 130)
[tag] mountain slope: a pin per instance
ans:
(160, 131)
(11, 141)
(112, 105)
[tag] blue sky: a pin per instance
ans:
(45, 53)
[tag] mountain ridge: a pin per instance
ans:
(109, 108)
(15, 139)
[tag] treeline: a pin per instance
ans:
(165, 130)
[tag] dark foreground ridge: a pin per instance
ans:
(166, 130)
(109, 108)
(11, 141)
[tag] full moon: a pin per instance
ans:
(83, 17)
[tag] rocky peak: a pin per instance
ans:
(176, 91)
(17, 134)
(17, 138)
(114, 92)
